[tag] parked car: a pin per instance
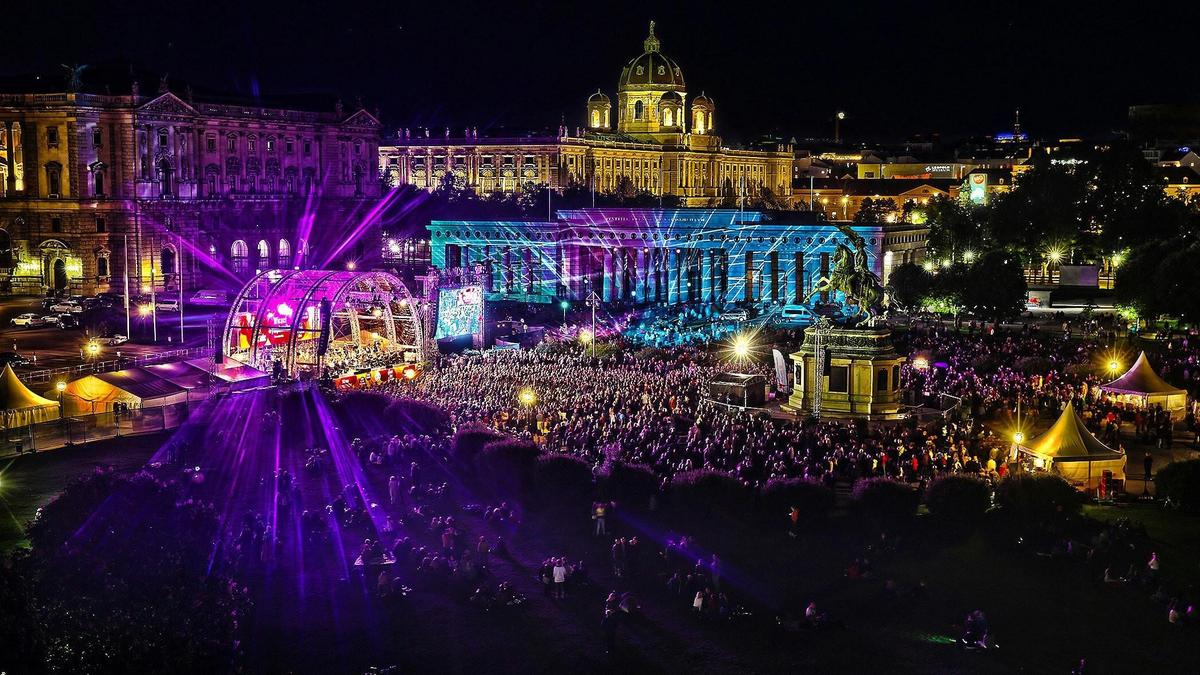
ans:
(112, 340)
(53, 319)
(735, 315)
(795, 314)
(68, 321)
(210, 298)
(13, 359)
(29, 320)
(167, 306)
(66, 307)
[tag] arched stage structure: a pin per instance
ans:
(321, 321)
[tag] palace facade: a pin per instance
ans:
(646, 256)
(190, 191)
(652, 141)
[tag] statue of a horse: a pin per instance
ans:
(861, 286)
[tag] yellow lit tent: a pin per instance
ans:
(1141, 385)
(1070, 450)
(133, 387)
(21, 405)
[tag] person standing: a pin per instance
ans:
(560, 578)
(395, 494)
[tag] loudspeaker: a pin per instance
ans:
(326, 326)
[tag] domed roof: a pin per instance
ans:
(703, 101)
(651, 70)
(598, 97)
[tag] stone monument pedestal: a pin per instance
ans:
(860, 378)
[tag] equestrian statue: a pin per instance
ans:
(851, 275)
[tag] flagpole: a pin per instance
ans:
(126, 275)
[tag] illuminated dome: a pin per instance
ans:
(651, 70)
(598, 97)
(702, 101)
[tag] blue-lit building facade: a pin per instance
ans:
(648, 256)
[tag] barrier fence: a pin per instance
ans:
(109, 365)
(88, 428)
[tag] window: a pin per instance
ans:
(270, 144)
(895, 376)
(839, 379)
(52, 137)
(307, 147)
(881, 381)
(98, 181)
(231, 143)
(638, 108)
(102, 267)
(240, 254)
(668, 118)
(163, 140)
(285, 254)
(97, 137)
(252, 144)
(56, 224)
(54, 179)
(210, 143)
(289, 146)
(595, 118)
(101, 224)
(264, 254)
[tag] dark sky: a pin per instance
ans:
(896, 68)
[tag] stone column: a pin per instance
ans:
(775, 276)
(748, 296)
(641, 279)
(608, 276)
(672, 273)
(798, 277)
(508, 270)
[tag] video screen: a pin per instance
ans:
(460, 311)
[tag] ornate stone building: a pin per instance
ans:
(659, 145)
(198, 191)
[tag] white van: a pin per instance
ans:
(796, 314)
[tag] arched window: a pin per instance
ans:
(638, 109)
(53, 180)
(302, 253)
(668, 118)
(164, 177)
(284, 254)
(166, 261)
(264, 254)
(162, 137)
(595, 118)
(102, 267)
(700, 126)
(240, 254)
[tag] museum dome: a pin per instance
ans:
(652, 69)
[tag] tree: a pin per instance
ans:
(874, 211)
(1124, 201)
(955, 227)
(910, 284)
(1043, 210)
(995, 287)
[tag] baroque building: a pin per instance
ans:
(653, 141)
(190, 191)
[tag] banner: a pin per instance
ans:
(781, 371)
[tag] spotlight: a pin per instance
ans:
(144, 310)
(527, 397)
(920, 363)
(61, 386)
(585, 336)
(741, 346)
(93, 348)
(1018, 437)
(409, 372)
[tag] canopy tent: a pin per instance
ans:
(1141, 385)
(181, 373)
(1070, 450)
(21, 405)
(133, 387)
(234, 373)
(738, 389)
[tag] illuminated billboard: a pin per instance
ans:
(460, 311)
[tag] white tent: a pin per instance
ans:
(1141, 385)
(1070, 450)
(21, 406)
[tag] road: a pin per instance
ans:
(50, 347)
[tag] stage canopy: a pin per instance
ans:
(315, 320)
(21, 405)
(1070, 450)
(233, 373)
(1142, 385)
(133, 387)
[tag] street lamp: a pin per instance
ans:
(564, 305)
(93, 349)
(61, 386)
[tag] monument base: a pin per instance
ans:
(860, 378)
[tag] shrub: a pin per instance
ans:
(470, 440)
(884, 498)
(507, 465)
(704, 490)
(117, 580)
(1181, 482)
(1036, 496)
(406, 415)
(562, 478)
(958, 497)
(813, 498)
(631, 483)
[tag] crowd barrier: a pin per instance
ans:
(87, 428)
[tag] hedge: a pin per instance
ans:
(884, 498)
(813, 498)
(958, 497)
(1036, 496)
(1181, 482)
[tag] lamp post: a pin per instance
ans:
(564, 305)
(593, 301)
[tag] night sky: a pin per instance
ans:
(896, 68)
